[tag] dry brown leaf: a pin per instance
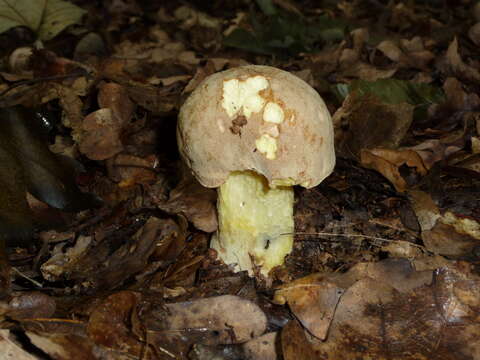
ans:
(432, 151)
(296, 343)
(407, 53)
(364, 71)
(457, 98)
(109, 324)
(262, 347)
(389, 311)
(115, 97)
(458, 67)
(387, 162)
(196, 202)
(129, 170)
(235, 320)
(474, 33)
(445, 240)
(313, 300)
(64, 346)
(101, 137)
(357, 117)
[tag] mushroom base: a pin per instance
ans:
(255, 223)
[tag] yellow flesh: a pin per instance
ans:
(255, 223)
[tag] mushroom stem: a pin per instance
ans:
(255, 222)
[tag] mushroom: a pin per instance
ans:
(254, 132)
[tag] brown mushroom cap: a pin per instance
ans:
(256, 118)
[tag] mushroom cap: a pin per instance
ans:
(256, 118)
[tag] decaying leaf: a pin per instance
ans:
(389, 309)
(109, 324)
(194, 201)
(104, 269)
(223, 320)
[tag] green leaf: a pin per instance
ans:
(242, 39)
(284, 35)
(393, 91)
(47, 18)
(267, 7)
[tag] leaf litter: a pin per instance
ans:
(385, 261)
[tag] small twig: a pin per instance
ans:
(35, 282)
(355, 236)
(47, 78)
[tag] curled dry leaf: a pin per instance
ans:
(102, 129)
(62, 262)
(388, 163)
(458, 67)
(433, 150)
(129, 170)
(408, 53)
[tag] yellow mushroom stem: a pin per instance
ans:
(255, 223)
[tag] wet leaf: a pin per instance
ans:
(47, 18)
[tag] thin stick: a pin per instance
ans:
(354, 235)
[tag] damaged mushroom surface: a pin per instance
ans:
(255, 132)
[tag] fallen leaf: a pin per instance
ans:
(388, 307)
(388, 163)
(196, 202)
(359, 114)
(109, 324)
(233, 319)
(13, 349)
(46, 18)
(313, 300)
(458, 66)
(262, 347)
(101, 138)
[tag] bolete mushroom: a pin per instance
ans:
(255, 132)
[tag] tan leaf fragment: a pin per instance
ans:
(387, 162)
